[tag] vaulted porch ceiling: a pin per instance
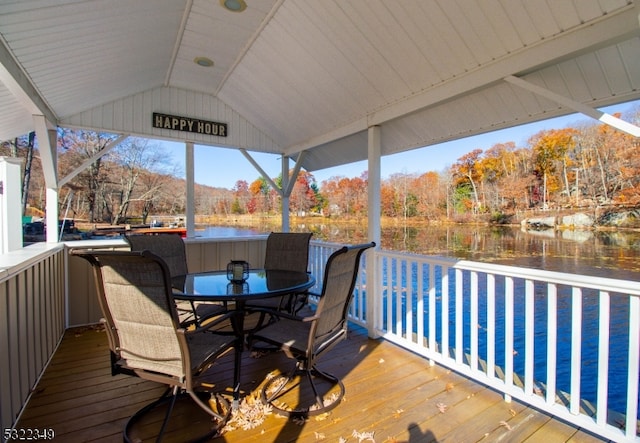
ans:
(304, 75)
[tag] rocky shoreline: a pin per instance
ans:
(583, 221)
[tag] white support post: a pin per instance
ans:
(285, 198)
(52, 214)
(190, 206)
(374, 213)
(10, 205)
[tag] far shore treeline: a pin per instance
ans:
(590, 167)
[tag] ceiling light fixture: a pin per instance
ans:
(234, 5)
(203, 61)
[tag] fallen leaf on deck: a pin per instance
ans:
(322, 417)
(442, 407)
(363, 436)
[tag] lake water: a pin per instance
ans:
(602, 253)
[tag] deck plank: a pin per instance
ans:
(392, 393)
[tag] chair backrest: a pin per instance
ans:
(134, 290)
(287, 251)
(169, 247)
(339, 282)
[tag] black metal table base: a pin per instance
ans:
(321, 404)
(168, 401)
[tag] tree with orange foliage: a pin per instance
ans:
(467, 169)
(260, 199)
(346, 196)
(430, 191)
(550, 149)
(624, 179)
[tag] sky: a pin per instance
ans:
(223, 167)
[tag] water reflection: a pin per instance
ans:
(597, 253)
(614, 254)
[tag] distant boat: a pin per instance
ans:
(139, 229)
(159, 230)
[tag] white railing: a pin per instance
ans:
(566, 344)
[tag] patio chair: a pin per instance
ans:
(288, 251)
(146, 339)
(306, 339)
(170, 247)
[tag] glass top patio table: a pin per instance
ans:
(215, 286)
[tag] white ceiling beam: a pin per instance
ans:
(261, 171)
(48, 148)
(20, 86)
(341, 132)
(248, 45)
(619, 26)
(294, 176)
(576, 106)
(178, 42)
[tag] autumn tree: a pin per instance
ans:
(388, 203)
(430, 192)
(302, 197)
(405, 201)
(607, 163)
(131, 160)
(260, 200)
(468, 170)
(213, 201)
(507, 176)
(152, 185)
(346, 196)
(241, 196)
(74, 148)
(629, 170)
(550, 149)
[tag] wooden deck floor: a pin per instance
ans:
(391, 394)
